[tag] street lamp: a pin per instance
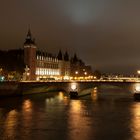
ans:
(76, 72)
(85, 73)
(138, 72)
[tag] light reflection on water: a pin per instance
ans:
(78, 124)
(136, 121)
(108, 113)
(11, 124)
(94, 94)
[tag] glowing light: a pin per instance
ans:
(138, 88)
(1, 78)
(28, 73)
(60, 96)
(138, 71)
(76, 72)
(27, 106)
(11, 123)
(136, 121)
(85, 73)
(66, 77)
(46, 71)
(95, 77)
(73, 86)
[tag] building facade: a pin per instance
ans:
(31, 64)
(41, 65)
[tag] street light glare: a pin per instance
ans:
(73, 86)
(138, 71)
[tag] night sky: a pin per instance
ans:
(104, 33)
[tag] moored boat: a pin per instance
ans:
(73, 94)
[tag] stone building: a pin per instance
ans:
(32, 64)
(41, 65)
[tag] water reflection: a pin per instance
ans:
(109, 113)
(78, 122)
(94, 94)
(27, 115)
(11, 124)
(136, 121)
(27, 106)
(59, 97)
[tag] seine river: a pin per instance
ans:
(109, 113)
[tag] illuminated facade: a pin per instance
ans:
(43, 66)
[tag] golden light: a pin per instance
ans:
(138, 71)
(77, 120)
(85, 73)
(138, 88)
(136, 121)
(76, 72)
(60, 96)
(66, 77)
(95, 77)
(28, 73)
(11, 123)
(27, 106)
(74, 86)
(76, 106)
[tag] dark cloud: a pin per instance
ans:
(105, 33)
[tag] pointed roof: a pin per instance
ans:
(75, 57)
(29, 33)
(29, 40)
(60, 57)
(66, 56)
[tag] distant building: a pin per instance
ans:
(32, 64)
(42, 65)
(79, 69)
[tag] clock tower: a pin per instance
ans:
(30, 55)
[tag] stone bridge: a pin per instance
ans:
(43, 87)
(23, 88)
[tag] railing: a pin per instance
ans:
(126, 79)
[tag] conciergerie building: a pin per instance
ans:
(34, 64)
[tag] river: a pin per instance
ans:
(109, 113)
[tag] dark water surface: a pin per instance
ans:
(109, 113)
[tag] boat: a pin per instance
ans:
(137, 96)
(73, 94)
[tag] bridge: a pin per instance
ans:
(81, 86)
(25, 88)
